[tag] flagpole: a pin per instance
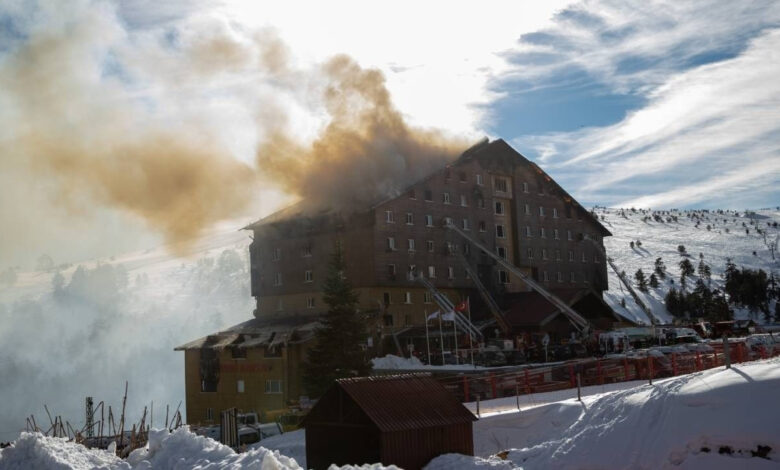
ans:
(427, 340)
(441, 339)
(471, 336)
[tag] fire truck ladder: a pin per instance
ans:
(444, 303)
(498, 314)
(575, 318)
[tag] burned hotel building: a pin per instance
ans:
(491, 192)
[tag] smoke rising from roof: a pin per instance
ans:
(141, 122)
(366, 151)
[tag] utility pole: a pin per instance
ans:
(90, 417)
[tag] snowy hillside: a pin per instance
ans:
(725, 238)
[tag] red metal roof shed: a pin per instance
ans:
(404, 420)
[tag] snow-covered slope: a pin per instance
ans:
(726, 238)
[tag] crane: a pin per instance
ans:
(579, 322)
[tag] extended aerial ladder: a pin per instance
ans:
(579, 322)
(446, 305)
(498, 314)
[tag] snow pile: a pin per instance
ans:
(177, 450)
(182, 449)
(396, 362)
(292, 444)
(719, 418)
(464, 462)
(34, 450)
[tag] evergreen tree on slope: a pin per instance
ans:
(337, 352)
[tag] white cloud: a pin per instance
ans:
(705, 132)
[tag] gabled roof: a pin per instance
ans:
(403, 402)
(256, 333)
(532, 309)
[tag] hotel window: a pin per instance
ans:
(306, 251)
(209, 414)
(482, 226)
(391, 271)
(555, 213)
(542, 233)
(525, 187)
(466, 248)
(527, 209)
(409, 218)
(428, 195)
(571, 256)
(500, 185)
(465, 224)
(451, 248)
(528, 231)
(503, 277)
(501, 252)
(446, 198)
(411, 272)
(560, 276)
(557, 255)
(279, 305)
(410, 245)
(544, 253)
(238, 353)
(427, 297)
(386, 298)
(447, 173)
(448, 221)
(530, 253)
(412, 194)
(273, 386)
(391, 243)
(480, 203)
(568, 235)
(429, 243)
(278, 280)
(310, 302)
(277, 254)
(463, 201)
(389, 217)
(450, 272)
(541, 211)
(407, 297)
(545, 277)
(595, 258)
(499, 208)
(308, 276)
(479, 179)
(500, 231)
(429, 221)
(462, 176)
(555, 233)
(584, 260)
(431, 272)
(572, 278)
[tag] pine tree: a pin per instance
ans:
(641, 281)
(337, 352)
(660, 268)
(653, 281)
(686, 268)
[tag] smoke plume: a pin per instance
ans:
(141, 122)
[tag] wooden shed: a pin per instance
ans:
(404, 420)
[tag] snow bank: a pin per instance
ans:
(292, 444)
(464, 462)
(177, 450)
(713, 419)
(34, 450)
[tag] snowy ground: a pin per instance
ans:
(716, 419)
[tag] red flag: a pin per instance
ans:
(462, 307)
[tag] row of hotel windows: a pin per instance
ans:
(272, 386)
(498, 206)
(499, 184)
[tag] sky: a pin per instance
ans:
(124, 124)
